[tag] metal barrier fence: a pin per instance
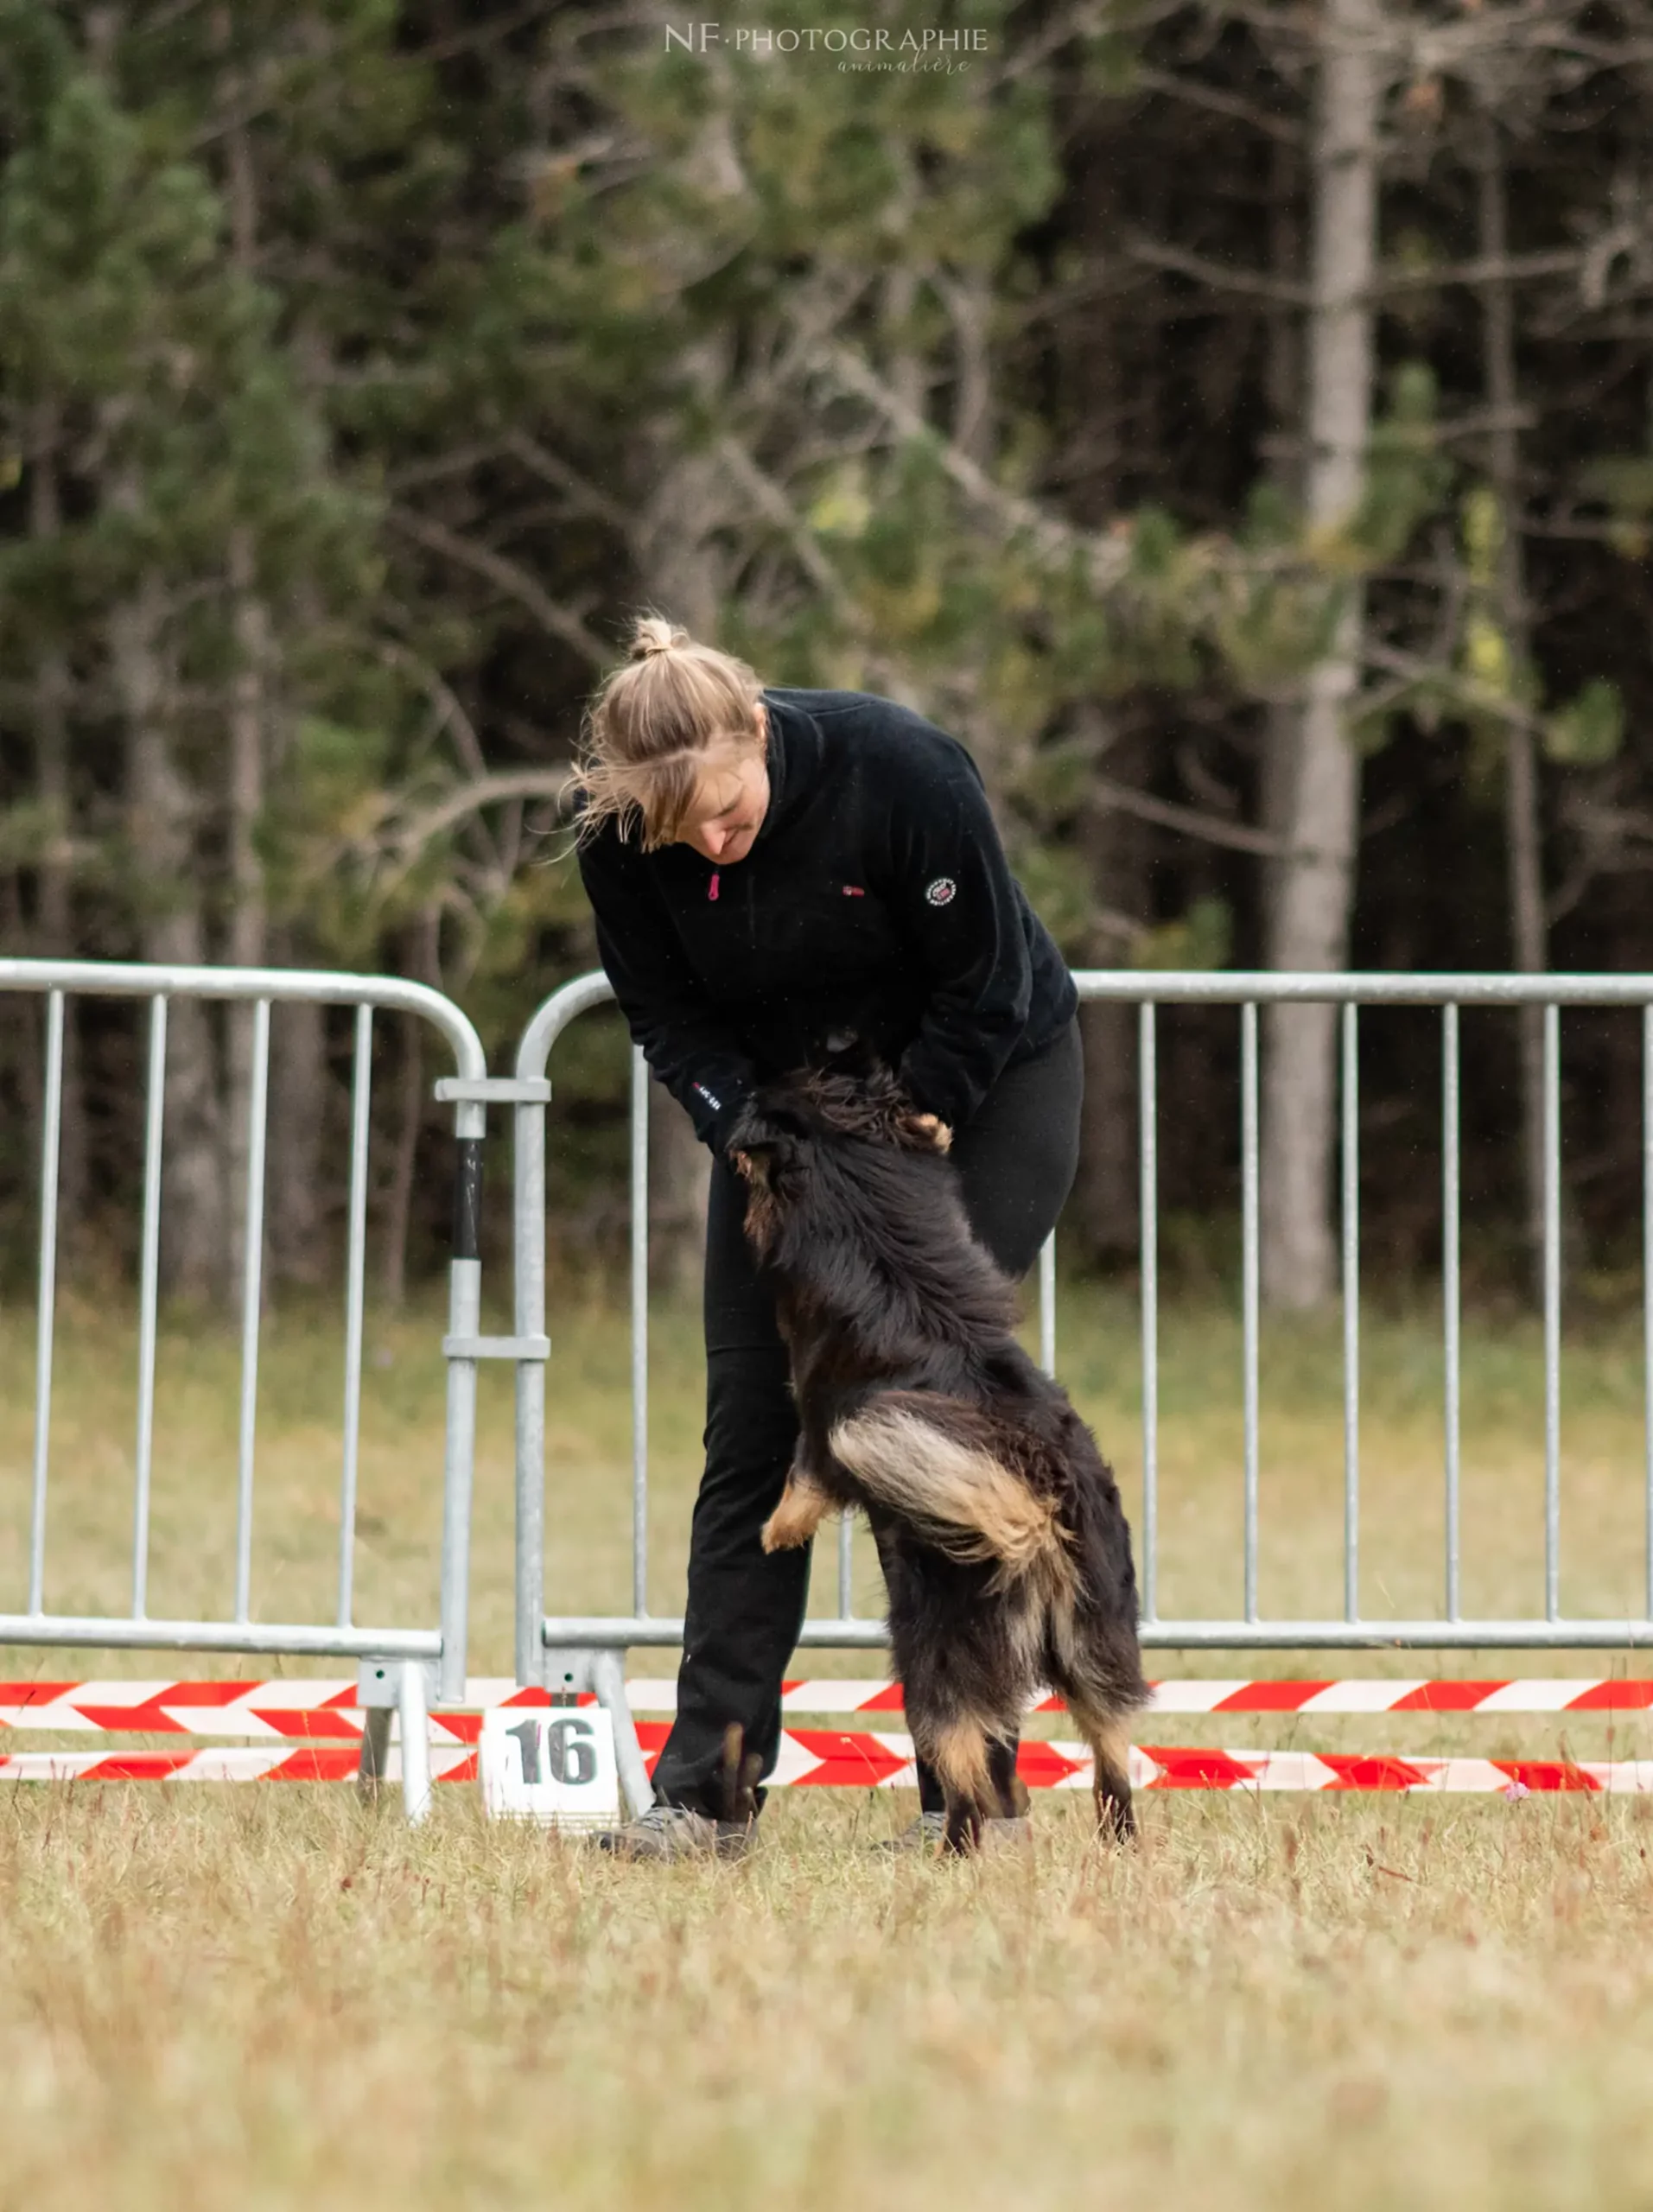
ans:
(584, 1651)
(587, 1647)
(394, 1661)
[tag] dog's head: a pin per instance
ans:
(788, 1127)
(769, 1148)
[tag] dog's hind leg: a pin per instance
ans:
(803, 1505)
(1109, 1736)
(957, 1746)
(959, 1755)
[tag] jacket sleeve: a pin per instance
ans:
(961, 913)
(690, 1046)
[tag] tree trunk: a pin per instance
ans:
(1105, 1208)
(172, 929)
(302, 1182)
(410, 1092)
(1523, 827)
(682, 568)
(1283, 385)
(298, 1092)
(54, 916)
(427, 967)
(684, 573)
(247, 936)
(1309, 923)
(680, 1173)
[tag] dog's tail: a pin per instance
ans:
(946, 1469)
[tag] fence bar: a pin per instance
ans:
(1382, 987)
(459, 1429)
(606, 1632)
(1351, 1314)
(51, 1132)
(251, 1297)
(528, 1208)
(1248, 1203)
(361, 1087)
(256, 990)
(148, 1285)
(1541, 1629)
(100, 1632)
(1047, 1304)
(1450, 1288)
(1552, 1312)
(640, 1331)
(528, 1237)
(1647, 1286)
(320, 987)
(1148, 1207)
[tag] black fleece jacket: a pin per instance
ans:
(875, 906)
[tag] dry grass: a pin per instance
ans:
(268, 1997)
(274, 1999)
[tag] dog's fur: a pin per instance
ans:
(1004, 1543)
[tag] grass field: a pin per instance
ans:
(266, 1997)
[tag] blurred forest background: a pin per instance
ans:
(1234, 421)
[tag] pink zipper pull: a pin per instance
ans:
(712, 890)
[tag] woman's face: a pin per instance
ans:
(730, 801)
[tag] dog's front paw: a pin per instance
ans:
(932, 1129)
(796, 1519)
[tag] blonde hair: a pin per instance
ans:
(650, 725)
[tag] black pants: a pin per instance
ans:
(1016, 1160)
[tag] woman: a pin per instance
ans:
(778, 875)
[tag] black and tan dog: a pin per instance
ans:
(1004, 1543)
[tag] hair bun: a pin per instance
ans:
(654, 634)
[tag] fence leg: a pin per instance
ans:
(413, 1711)
(375, 1751)
(376, 1686)
(568, 1671)
(608, 1680)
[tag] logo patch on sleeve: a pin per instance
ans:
(941, 893)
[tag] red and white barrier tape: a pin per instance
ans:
(325, 1710)
(244, 1763)
(832, 1759)
(298, 1710)
(1565, 1694)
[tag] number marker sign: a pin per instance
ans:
(556, 1765)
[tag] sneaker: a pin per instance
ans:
(672, 1832)
(923, 1833)
(928, 1832)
